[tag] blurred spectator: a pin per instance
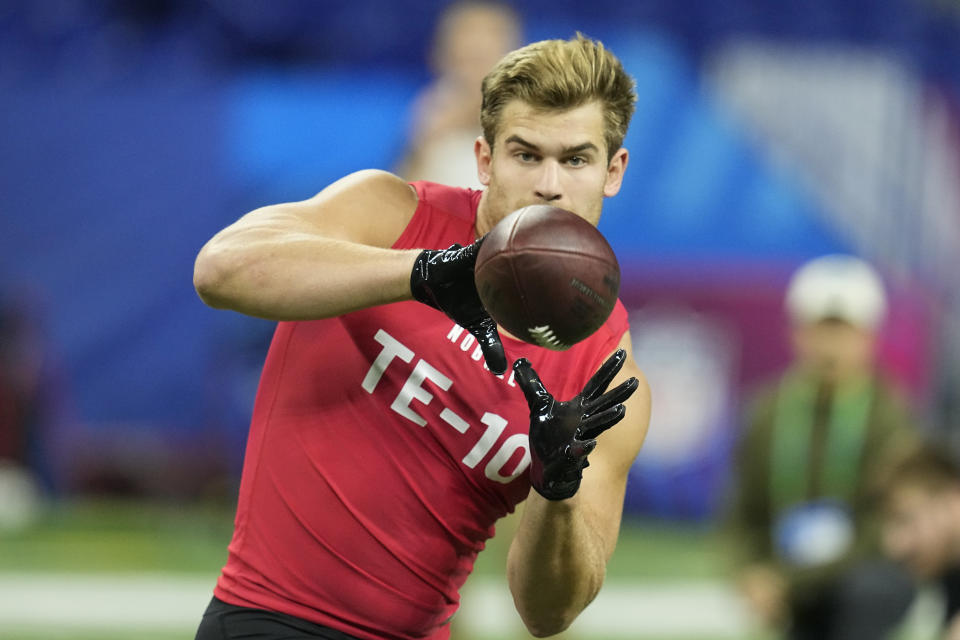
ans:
(25, 408)
(815, 445)
(20, 362)
(921, 525)
(470, 38)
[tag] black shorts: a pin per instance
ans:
(222, 621)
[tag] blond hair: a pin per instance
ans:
(559, 75)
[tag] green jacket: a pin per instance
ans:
(800, 444)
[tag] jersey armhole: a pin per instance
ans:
(617, 325)
(452, 200)
(604, 343)
(415, 225)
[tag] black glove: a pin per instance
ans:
(562, 434)
(443, 279)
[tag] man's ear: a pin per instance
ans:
(615, 171)
(484, 154)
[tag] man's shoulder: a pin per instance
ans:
(444, 215)
(460, 202)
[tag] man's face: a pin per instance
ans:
(919, 529)
(471, 42)
(834, 350)
(547, 157)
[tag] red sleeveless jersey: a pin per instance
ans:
(381, 453)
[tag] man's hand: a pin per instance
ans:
(443, 279)
(562, 434)
(765, 592)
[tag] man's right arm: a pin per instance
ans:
(317, 258)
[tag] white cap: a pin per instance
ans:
(839, 287)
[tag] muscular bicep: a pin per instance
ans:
(368, 207)
(313, 259)
(605, 480)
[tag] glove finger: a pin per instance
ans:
(599, 382)
(529, 382)
(597, 424)
(491, 346)
(615, 396)
(581, 448)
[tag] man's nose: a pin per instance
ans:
(548, 182)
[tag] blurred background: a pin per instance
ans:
(766, 133)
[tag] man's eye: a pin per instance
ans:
(577, 161)
(525, 156)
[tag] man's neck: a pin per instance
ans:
(482, 225)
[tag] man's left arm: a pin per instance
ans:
(559, 554)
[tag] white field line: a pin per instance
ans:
(622, 610)
(102, 602)
(160, 602)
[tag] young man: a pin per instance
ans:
(921, 524)
(388, 436)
